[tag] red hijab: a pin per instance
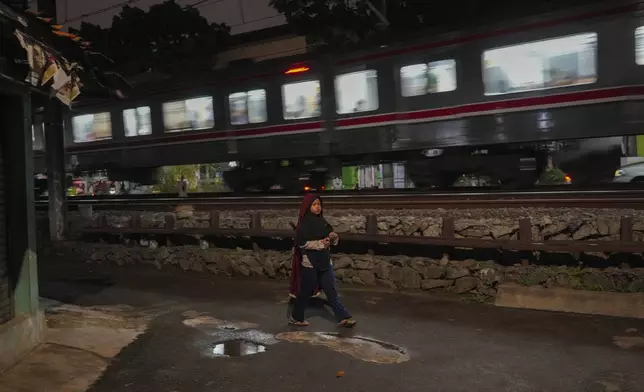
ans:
(296, 262)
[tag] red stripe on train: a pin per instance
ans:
(429, 114)
(481, 108)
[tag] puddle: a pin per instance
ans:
(363, 348)
(237, 348)
(628, 342)
(232, 338)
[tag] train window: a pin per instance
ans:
(357, 92)
(559, 62)
(137, 121)
(92, 127)
(188, 114)
(248, 107)
(434, 77)
(301, 100)
(639, 45)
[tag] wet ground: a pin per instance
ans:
(211, 334)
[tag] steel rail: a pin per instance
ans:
(620, 198)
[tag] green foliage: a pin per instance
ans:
(339, 22)
(208, 179)
(333, 22)
(170, 176)
(553, 176)
(167, 38)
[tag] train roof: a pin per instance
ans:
(239, 72)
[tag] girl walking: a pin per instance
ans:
(312, 267)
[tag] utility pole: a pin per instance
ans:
(55, 151)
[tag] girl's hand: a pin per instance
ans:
(333, 237)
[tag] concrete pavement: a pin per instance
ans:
(411, 342)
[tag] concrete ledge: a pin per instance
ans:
(19, 337)
(571, 301)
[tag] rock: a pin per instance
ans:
(504, 232)
(410, 278)
(382, 269)
(363, 264)
(456, 272)
(490, 276)
(268, 267)
(552, 230)
(185, 263)
(400, 260)
(444, 260)
(419, 264)
(487, 291)
(465, 284)
(596, 282)
(250, 261)
(433, 272)
(586, 230)
(257, 271)
(636, 286)
(562, 280)
(469, 263)
(196, 266)
(162, 254)
(367, 277)
(475, 231)
(243, 270)
(340, 275)
(429, 284)
(342, 262)
(396, 274)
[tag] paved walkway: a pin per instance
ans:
(446, 345)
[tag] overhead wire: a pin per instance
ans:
(81, 17)
(102, 10)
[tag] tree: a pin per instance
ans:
(341, 22)
(170, 176)
(334, 22)
(168, 38)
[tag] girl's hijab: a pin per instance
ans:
(308, 227)
(312, 227)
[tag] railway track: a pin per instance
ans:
(603, 198)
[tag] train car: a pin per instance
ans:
(505, 104)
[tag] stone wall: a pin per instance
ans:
(499, 223)
(475, 278)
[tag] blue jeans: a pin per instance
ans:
(310, 279)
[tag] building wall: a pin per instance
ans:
(25, 330)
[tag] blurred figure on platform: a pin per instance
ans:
(183, 187)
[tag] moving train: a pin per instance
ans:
(508, 103)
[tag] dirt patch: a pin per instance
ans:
(363, 348)
(208, 323)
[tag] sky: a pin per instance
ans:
(241, 15)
